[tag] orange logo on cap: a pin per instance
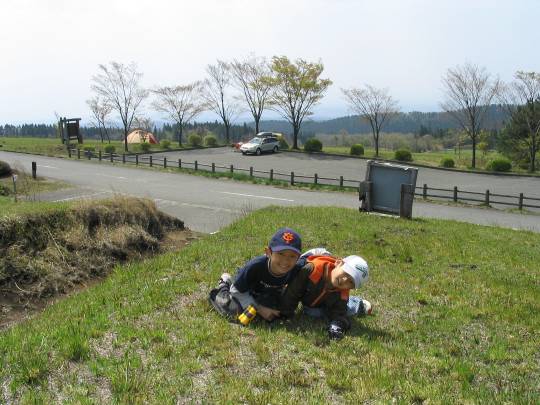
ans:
(288, 237)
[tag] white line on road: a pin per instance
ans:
(257, 196)
(112, 177)
(49, 167)
(162, 202)
(82, 196)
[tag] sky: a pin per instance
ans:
(50, 49)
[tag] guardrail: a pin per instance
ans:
(456, 195)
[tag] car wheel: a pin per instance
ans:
(243, 153)
(275, 149)
(258, 151)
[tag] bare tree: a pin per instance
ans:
(217, 94)
(296, 89)
(119, 85)
(469, 91)
(521, 98)
(181, 104)
(374, 106)
(100, 110)
(251, 78)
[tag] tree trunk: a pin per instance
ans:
(376, 140)
(474, 151)
(180, 131)
(227, 127)
(125, 140)
(296, 130)
(256, 125)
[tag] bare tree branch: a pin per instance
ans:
(100, 110)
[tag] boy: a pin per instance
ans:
(261, 281)
(323, 286)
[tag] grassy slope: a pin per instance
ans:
(457, 315)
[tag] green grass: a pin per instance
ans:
(456, 321)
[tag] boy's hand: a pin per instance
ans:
(267, 313)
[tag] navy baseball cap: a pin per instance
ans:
(286, 239)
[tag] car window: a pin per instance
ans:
(256, 140)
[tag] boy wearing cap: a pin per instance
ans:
(323, 285)
(261, 281)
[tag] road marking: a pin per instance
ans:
(257, 196)
(78, 197)
(49, 167)
(111, 177)
(163, 202)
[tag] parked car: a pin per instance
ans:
(259, 145)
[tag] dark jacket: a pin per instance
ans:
(311, 287)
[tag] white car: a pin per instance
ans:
(259, 145)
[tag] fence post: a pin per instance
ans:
(123, 158)
(213, 167)
(520, 204)
(487, 197)
(271, 174)
(78, 153)
(99, 155)
(112, 157)
(151, 163)
(250, 171)
(165, 162)
(136, 160)
(196, 165)
(455, 193)
(179, 163)
(424, 191)
(69, 152)
(341, 181)
(315, 178)
(89, 155)
(292, 178)
(232, 169)
(34, 170)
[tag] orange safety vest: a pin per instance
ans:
(323, 266)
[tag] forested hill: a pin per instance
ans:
(411, 122)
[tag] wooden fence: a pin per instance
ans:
(486, 198)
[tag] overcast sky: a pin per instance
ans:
(50, 49)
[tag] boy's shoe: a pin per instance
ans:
(365, 307)
(225, 279)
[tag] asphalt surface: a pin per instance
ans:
(207, 205)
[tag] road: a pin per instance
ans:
(207, 205)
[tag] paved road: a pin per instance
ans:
(206, 205)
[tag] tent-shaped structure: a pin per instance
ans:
(141, 136)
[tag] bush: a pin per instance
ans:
(4, 191)
(89, 148)
(499, 165)
(5, 169)
(165, 144)
(313, 145)
(403, 155)
(283, 145)
(145, 146)
(357, 149)
(109, 149)
(210, 140)
(195, 140)
(448, 162)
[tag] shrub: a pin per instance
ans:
(283, 145)
(5, 169)
(109, 149)
(403, 155)
(313, 145)
(89, 148)
(210, 140)
(165, 144)
(357, 149)
(499, 165)
(145, 146)
(195, 140)
(448, 162)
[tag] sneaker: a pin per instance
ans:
(225, 279)
(365, 307)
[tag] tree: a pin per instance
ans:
(216, 94)
(296, 89)
(100, 110)
(119, 86)
(374, 106)
(469, 91)
(251, 78)
(181, 104)
(521, 98)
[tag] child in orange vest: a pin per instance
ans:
(323, 285)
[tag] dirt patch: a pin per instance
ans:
(46, 257)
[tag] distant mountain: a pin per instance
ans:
(415, 121)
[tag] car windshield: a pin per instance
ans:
(256, 141)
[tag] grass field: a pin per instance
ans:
(457, 309)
